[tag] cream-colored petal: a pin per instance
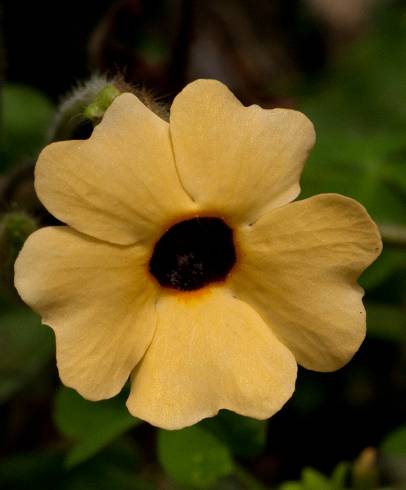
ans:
(121, 184)
(210, 351)
(298, 267)
(98, 300)
(239, 161)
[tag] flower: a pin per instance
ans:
(184, 263)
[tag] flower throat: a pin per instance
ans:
(193, 253)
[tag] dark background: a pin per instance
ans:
(345, 68)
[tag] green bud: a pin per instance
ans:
(94, 111)
(85, 106)
(70, 121)
(15, 227)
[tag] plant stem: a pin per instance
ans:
(393, 234)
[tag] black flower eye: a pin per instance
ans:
(193, 253)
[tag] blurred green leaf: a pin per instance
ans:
(310, 393)
(244, 436)
(26, 116)
(359, 113)
(25, 347)
(391, 261)
(291, 485)
(27, 470)
(193, 456)
(247, 479)
(153, 49)
(386, 322)
(91, 425)
(395, 443)
(15, 227)
(114, 468)
(339, 476)
(314, 480)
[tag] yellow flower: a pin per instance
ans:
(184, 265)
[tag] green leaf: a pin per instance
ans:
(115, 468)
(310, 394)
(386, 322)
(193, 457)
(392, 261)
(245, 437)
(248, 480)
(395, 443)
(25, 346)
(91, 425)
(339, 476)
(28, 470)
(359, 114)
(26, 116)
(15, 227)
(291, 485)
(314, 480)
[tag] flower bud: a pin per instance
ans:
(15, 227)
(94, 111)
(84, 107)
(70, 121)
(365, 470)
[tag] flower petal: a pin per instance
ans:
(298, 267)
(121, 184)
(210, 351)
(95, 297)
(240, 161)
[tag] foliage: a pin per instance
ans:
(26, 347)
(358, 105)
(395, 443)
(360, 114)
(314, 480)
(193, 456)
(92, 426)
(26, 116)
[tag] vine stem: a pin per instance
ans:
(393, 234)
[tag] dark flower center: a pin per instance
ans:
(193, 253)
